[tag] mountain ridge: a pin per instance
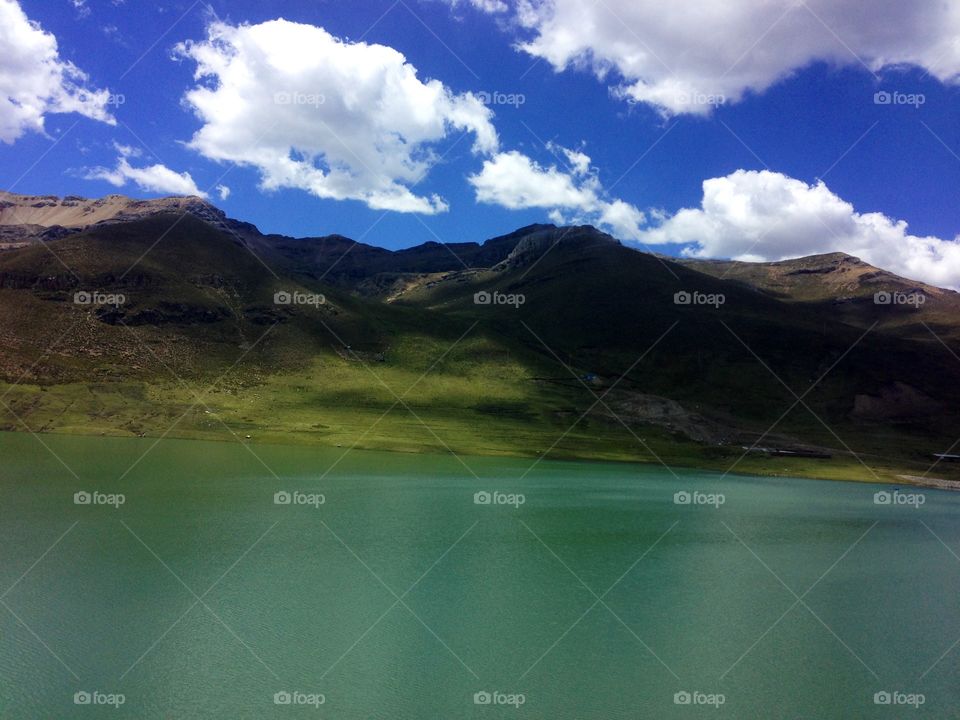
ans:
(566, 315)
(57, 216)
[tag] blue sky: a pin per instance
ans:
(783, 123)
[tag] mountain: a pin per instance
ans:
(166, 317)
(848, 287)
(77, 212)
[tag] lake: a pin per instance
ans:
(186, 579)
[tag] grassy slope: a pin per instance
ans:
(498, 391)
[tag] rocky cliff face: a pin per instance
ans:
(26, 218)
(533, 245)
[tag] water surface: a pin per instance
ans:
(400, 597)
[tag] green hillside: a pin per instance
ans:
(583, 352)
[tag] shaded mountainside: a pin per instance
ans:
(366, 268)
(546, 341)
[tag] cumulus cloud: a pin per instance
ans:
(151, 178)
(337, 119)
(687, 57)
(515, 181)
(35, 81)
(765, 216)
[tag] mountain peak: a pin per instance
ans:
(540, 239)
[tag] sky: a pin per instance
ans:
(705, 128)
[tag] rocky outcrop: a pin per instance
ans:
(25, 218)
(534, 245)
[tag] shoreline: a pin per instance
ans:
(931, 482)
(896, 476)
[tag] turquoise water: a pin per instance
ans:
(395, 595)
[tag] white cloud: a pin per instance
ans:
(338, 119)
(515, 181)
(152, 178)
(765, 216)
(223, 191)
(35, 82)
(83, 10)
(579, 162)
(490, 6)
(127, 150)
(685, 57)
